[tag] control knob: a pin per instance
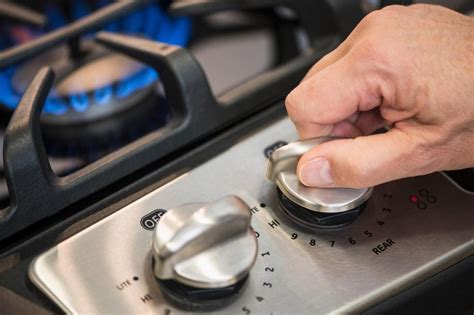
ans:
(309, 206)
(203, 253)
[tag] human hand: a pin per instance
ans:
(410, 68)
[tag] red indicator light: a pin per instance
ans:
(414, 198)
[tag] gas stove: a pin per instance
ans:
(403, 237)
(168, 192)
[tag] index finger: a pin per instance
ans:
(331, 96)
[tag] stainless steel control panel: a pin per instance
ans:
(410, 230)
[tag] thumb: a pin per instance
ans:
(363, 161)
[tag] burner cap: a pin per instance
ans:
(96, 86)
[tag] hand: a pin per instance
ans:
(409, 68)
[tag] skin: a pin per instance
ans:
(407, 68)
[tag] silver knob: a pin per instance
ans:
(205, 245)
(282, 170)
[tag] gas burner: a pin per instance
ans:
(92, 140)
(93, 84)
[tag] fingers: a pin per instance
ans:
(370, 121)
(333, 95)
(361, 162)
(364, 123)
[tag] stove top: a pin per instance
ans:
(404, 236)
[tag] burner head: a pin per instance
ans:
(101, 99)
(92, 78)
(90, 141)
(98, 85)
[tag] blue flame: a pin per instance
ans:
(151, 22)
(55, 106)
(80, 102)
(103, 95)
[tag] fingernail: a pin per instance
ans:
(316, 173)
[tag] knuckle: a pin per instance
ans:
(370, 20)
(384, 16)
(424, 7)
(326, 58)
(394, 9)
(291, 103)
